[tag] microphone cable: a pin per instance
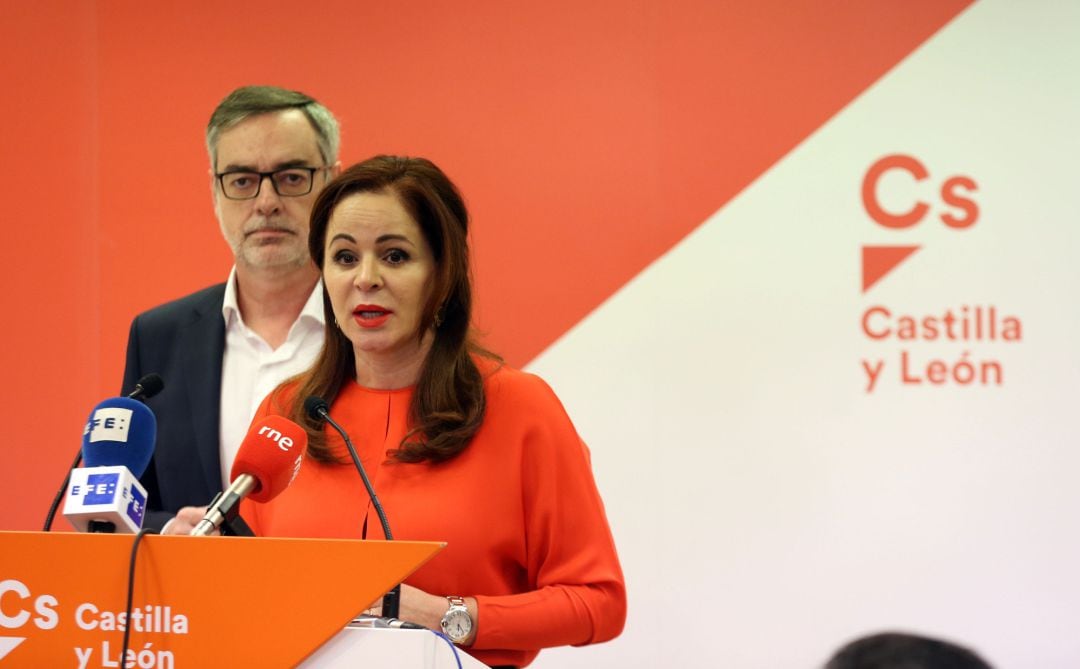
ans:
(453, 646)
(130, 591)
(60, 493)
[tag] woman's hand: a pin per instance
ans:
(419, 607)
(185, 521)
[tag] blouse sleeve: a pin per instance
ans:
(579, 595)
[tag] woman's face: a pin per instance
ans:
(378, 271)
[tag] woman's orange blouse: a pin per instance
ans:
(524, 524)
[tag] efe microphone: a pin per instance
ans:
(318, 409)
(105, 495)
(145, 388)
(267, 462)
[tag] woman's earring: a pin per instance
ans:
(439, 316)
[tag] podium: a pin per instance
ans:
(205, 602)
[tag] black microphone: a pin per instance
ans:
(145, 388)
(318, 409)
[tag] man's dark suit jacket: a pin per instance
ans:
(184, 342)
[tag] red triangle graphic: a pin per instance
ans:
(877, 261)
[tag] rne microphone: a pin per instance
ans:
(267, 462)
(145, 388)
(105, 494)
(317, 409)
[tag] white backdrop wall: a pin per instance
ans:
(766, 505)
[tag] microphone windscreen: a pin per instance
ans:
(151, 384)
(272, 453)
(120, 432)
(315, 406)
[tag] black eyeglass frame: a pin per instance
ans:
(220, 176)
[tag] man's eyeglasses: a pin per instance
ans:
(288, 182)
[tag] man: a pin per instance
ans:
(222, 349)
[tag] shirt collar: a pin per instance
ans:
(230, 307)
(313, 308)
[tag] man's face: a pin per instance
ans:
(268, 231)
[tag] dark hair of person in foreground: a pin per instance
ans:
(897, 650)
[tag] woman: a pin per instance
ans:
(459, 447)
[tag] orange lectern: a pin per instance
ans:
(198, 602)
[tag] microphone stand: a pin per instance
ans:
(392, 599)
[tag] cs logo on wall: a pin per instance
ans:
(935, 345)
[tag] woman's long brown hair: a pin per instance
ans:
(448, 402)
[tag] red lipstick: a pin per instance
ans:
(370, 315)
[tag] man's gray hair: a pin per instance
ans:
(250, 101)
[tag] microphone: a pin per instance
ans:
(145, 388)
(105, 495)
(267, 462)
(318, 409)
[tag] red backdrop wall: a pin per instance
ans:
(587, 140)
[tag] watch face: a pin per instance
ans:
(457, 624)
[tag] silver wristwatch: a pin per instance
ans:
(456, 622)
